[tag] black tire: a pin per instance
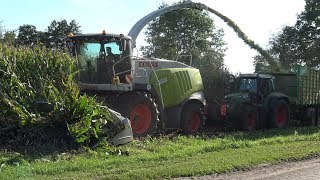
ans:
(309, 117)
(213, 113)
(279, 114)
(192, 118)
(142, 111)
(248, 118)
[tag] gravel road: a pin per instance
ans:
(300, 170)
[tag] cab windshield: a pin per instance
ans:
(247, 84)
(96, 58)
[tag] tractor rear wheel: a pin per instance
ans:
(279, 114)
(142, 112)
(248, 118)
(192, 118)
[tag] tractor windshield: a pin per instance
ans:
(96, 58)
(247, 84)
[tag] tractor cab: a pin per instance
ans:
(102, 59)
(248, 89)
(255, 83)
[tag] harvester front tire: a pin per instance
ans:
(142, 111)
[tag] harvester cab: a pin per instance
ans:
(103, 59)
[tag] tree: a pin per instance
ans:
(58, 31)
(9, 37)
(27, 35)
(299, 44)
(1, 29)
(188, 32)
(182, 31)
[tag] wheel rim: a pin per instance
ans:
(281, 115)
(140, 118)
(194, 121)
(251, 120)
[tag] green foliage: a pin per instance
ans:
(29, 76)
(27, 35)
(53, 37)
(9, 37)
(58, 31)
(190, 32)
(1, 30)
(184, 31)
(299, 43)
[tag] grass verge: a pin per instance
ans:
(166, 157)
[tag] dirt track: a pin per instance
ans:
(300, 170)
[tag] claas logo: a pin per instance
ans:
(148, 64)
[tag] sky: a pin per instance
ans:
(259, 19)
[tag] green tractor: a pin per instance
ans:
(152, 93)
(269, 99)
(255, 104)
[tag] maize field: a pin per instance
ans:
(33, 75)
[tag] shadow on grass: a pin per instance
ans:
(29, 144)
(260, 134)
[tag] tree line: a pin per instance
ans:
(28, 35)
(300, 43)
(191, 33)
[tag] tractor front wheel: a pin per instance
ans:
(249, 118)
(279, 114)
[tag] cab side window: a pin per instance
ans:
(265, 86)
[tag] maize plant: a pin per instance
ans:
(28, 76)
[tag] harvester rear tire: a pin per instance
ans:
(192, 118)
(142, 111)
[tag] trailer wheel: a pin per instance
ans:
(309, 117)
(142, 112)
(192, 118)
(248, 118)
(279, 114)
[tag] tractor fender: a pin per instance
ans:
(272, 96)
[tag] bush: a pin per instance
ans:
(36, 75)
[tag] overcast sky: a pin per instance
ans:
(259, 19)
